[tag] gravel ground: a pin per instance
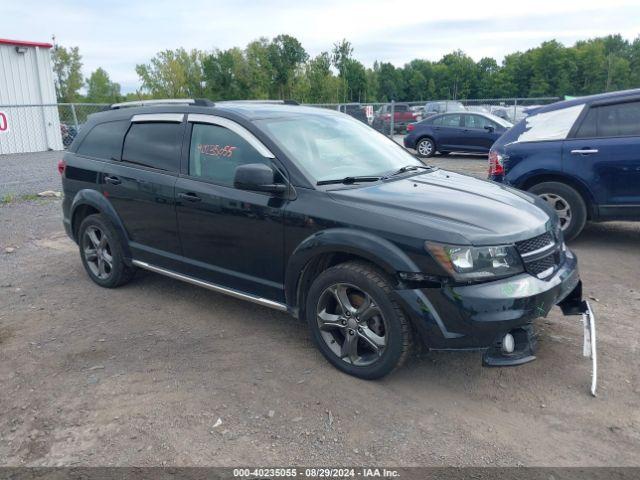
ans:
(159, 372)
(29, 173)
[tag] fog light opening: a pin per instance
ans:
(508, 343)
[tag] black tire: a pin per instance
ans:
(364, 281)
(558, 194)
(110, 275)
(426, 147)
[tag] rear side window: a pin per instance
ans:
(477, 121)
(401, 108)
(104, 140)
(154, 144)
(216, 152)
(451, 121)
(619, 120)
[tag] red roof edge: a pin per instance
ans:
(22, 43)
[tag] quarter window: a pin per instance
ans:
(216, 152)
(104, 140)
(553, 125)
(154, 144)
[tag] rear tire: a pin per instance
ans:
(426, 147)
(101, 252)
(568, 205)
(355, 323)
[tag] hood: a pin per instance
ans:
(452, 208)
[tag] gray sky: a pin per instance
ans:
(116, 35)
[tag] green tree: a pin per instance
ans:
(173, 74)
(100, 88)
(286, 55)
(67, 69)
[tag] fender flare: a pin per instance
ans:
(98, 201)
(371, 247)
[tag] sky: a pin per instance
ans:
(116, 35)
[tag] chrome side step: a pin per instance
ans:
(212, 286)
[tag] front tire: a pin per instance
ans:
(568, 205)
(354, 321)
(426, 147)
(101, 252)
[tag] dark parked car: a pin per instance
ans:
(355, 110)
(402, 116)
(582, 156)
(310, 212)
(459, 132)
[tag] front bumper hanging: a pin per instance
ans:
(575, 305)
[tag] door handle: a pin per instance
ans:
(189, 197)
(112, 180)
(584, 151)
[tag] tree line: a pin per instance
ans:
(280, 68)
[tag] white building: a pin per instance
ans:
(29, 120)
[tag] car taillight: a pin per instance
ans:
(61, 166)
(496, 163)
(411, 127)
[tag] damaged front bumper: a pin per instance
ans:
(497, 316)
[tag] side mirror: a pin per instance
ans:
(257, 177)
(489, 128)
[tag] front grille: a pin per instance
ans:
(535, 243)
(533, 263)
(536, 267)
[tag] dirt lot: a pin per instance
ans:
(159, 372)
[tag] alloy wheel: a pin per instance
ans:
(351, 324)
(425, 147)
(561, 206)
(97, 252)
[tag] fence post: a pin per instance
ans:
(393, 118)
(515, 104)
(73, 114)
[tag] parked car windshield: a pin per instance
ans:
(334, 146)
(500, 121)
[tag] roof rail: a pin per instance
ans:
(264, 102)
(167, 101)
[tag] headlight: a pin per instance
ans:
(476, 263)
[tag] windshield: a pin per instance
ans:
(498, 120)
(331, 147)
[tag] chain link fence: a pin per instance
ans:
(392, 118)
(35, 128)
(38, 128)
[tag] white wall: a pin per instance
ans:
(27, 79)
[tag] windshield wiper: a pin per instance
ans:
(409, 168)
(349, 180)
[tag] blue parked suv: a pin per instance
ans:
(582, 156)
(455, 132)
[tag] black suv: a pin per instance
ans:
(312, 212)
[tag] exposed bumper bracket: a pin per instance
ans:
(575, 305)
